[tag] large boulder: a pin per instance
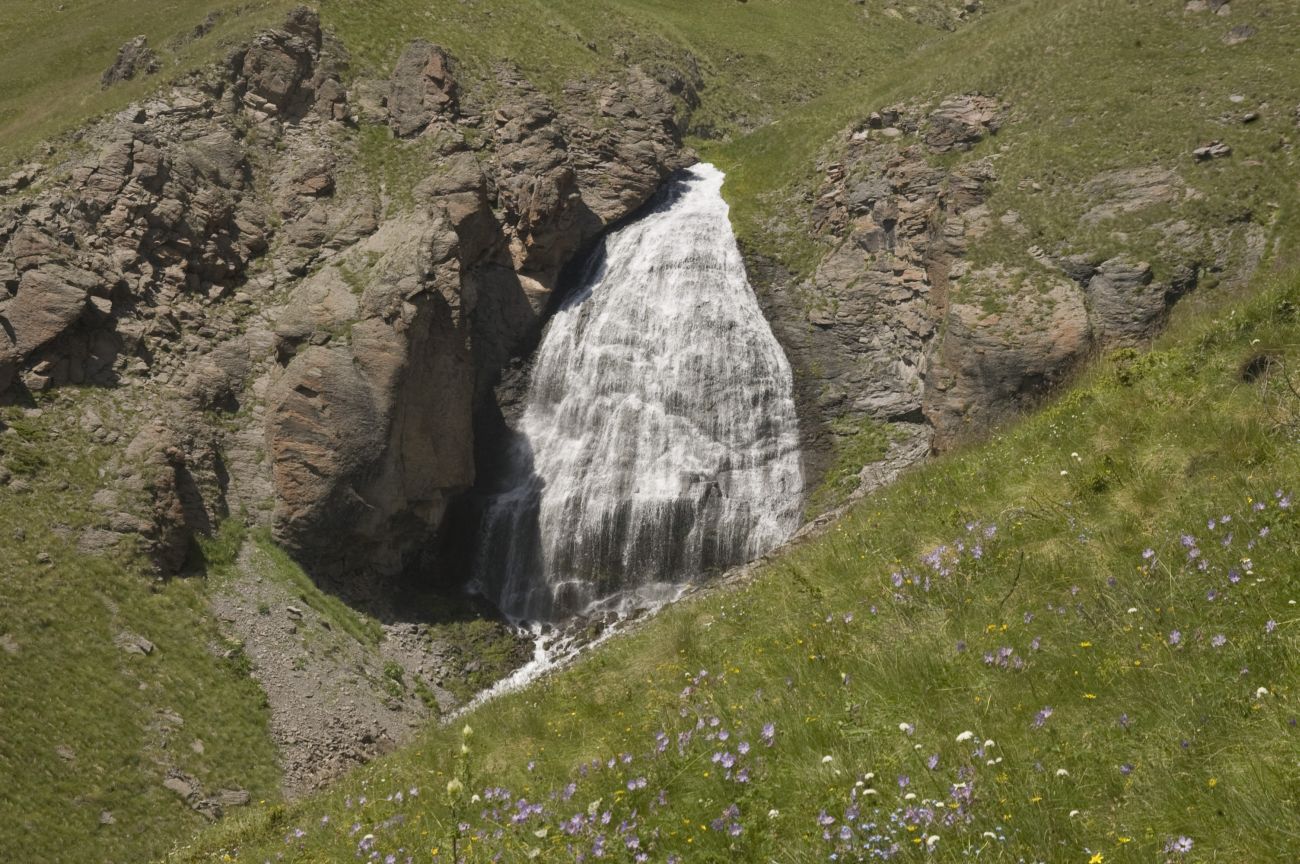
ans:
(49, 301)
(285, 73)
(1127, 305)
(422, 87)
(962, 121)
(134, 58)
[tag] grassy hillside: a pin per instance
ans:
(1160, 736)
(52, 56)
(1093, 85)
(91, 725)
(1078, 643)
(759, 58)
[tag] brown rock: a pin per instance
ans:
(278, 66)
(369, 441)
(1239, 34)
(1126, 307)
(133, 643)
(1213, 150)
(49, 301)
(959, 123)
(134, 58)
(1129, 190)
(422, 87)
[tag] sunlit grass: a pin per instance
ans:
(90, 729)
(1043, 592)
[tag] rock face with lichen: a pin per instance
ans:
(305, 345)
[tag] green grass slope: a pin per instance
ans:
(1165, 443)
(1077, 643)
(759, 57)
(91, 729)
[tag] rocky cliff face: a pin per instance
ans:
(290, 339)
(900, 324)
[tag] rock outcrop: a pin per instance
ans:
(422, 88)
(135, 57)
(895, 325)
(220, 254)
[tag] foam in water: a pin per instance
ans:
(659, 441)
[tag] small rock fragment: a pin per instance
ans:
(1213, 150)
(1239, 34)
(133, 643)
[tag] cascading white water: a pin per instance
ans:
(659, 440)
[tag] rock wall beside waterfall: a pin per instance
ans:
(224, 259)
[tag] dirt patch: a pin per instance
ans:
(340, 692)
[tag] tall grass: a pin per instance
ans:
(1076, 643)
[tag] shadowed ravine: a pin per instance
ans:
(659, 441)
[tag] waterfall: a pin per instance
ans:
(659, 440)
